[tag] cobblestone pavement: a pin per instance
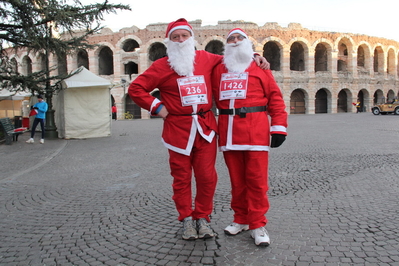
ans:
(107, 201)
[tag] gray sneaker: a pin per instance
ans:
(204, 229)
(189, 229)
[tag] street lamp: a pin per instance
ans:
(123, 82)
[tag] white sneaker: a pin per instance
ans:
(235, 228)
(261, 236)
(41, 141)
(30, 140)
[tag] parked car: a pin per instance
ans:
(386, 108)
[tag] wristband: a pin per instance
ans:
(158, 109)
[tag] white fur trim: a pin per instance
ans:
(238, 31)
(229, 142)
(181, 27)
(153, 104)
(278, 129)
(209, 137)
(244, 148)
(195, 126)
(187, 150)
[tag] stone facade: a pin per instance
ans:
(318, 72)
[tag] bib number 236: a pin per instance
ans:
(192, 90)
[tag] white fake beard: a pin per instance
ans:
(238, 56)
(181, 56)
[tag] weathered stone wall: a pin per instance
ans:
(361, 76)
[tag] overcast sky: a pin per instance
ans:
(370, 17)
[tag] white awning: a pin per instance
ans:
(11, 95)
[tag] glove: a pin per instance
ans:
(277, 140)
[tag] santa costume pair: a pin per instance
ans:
(246, 97)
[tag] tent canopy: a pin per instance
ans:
(85, 78)
(11, 95)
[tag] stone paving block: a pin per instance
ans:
(172, 263)
(161, 262)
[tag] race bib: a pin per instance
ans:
(233, 86)
(192, 90)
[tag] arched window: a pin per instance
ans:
(297, 102)
(157, 50)
(342, 57)
(83, 59)
(215, 47)
(378, 60)
(62, 64)
(360, 57)
(106, 61)
(321, 58)
(342, 102)
(42, 62)
(130, 45)
(14, 65)
(297, 57)
(131, 68)
(271, 52)
(26, 65)
(321, 101)
(391, 62)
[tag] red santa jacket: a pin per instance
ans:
(253, 131)
(180, 127)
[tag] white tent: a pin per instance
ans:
(83, 106)
(12, 103)
(15, 96)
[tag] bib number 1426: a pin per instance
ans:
(233, 86)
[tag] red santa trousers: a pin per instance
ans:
(202, 162)
(248, 175)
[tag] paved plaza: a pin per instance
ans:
(334, 188)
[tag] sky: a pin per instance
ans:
(370, 17)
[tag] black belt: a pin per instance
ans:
(243, 111)
(200, 113)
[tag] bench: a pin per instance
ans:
(10, 131)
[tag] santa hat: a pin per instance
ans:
(237, 30)
(33, 112)
(181, 24)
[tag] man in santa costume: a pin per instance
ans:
(246, 95)
(184, 81)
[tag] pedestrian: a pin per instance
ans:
(39, 109)
(245, 96)
(114, 112)
(184, 81)
(358, 106)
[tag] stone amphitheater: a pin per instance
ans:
(317, 71)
